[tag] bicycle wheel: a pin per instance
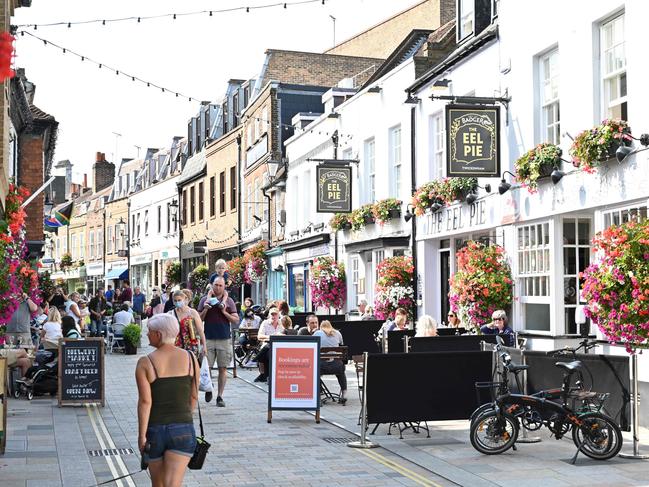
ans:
(492, 434)
(480, 411)
(598, 435)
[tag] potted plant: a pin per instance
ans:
(482, 284)
(386, 209)
(536, 163)
(362, 216)
(132, 334)
(442, 192)
(593, 147)
(340, 221)
(66, 260)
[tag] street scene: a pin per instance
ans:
(324, 242)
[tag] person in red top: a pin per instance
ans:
(127, 293)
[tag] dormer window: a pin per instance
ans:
(466, 12)
(474, 16)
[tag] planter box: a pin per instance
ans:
(346, 226)
(396, 213)
(129, 349)
(369, 220)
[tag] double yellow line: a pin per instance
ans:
(415, 477)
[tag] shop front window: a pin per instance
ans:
(298, 277)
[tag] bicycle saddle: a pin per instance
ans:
(569, 366)
(517, 368)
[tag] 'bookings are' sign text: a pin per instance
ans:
(473, 142)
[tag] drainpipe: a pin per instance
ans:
(179, 222)
(239, 192)
(413, 188)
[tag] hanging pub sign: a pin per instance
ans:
(334, 188)
(472, 141)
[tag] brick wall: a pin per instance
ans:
(380, 40)
(103, 173)
(30, 175)
(310, 68)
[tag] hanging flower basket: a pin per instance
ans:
(328, 283)
(482, 283)
(255, 263)
(236, 269)
(537, 163)
(593, 147)
(386, 209)
(616, 288)
(173, 273)
(394, 287)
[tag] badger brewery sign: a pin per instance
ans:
(334, 188)
(472, 140)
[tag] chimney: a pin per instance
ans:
(103, 172)
(85, 180)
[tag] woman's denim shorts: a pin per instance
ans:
(177, 438)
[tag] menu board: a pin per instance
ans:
(294, 373)
(81, 371)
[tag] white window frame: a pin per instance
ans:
(465, 18)
(438, 149)
(394, 140)
(265, 120)
(91, 244)
(369, 153)
(624, 214)
(355, 263)
(100, 243)
(574, 247)
(549, 77)
(607, 77)
(109, 239)
(377, 257)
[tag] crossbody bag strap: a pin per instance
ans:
(198, 402)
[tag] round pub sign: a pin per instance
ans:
(334, 189)
(473, 147)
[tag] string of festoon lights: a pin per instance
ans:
(172, 15)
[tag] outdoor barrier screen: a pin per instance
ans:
(359, 336)
(610, 373)
(396, 340)
(299, 319)
(449, 343)
(445, 391)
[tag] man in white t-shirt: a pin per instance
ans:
(121, 319)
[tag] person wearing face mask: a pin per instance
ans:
(191, 336)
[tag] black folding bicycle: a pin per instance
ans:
(495, 430)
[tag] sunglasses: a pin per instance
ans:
(451, 316)
(499, 319)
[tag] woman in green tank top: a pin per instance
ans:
(167, 382)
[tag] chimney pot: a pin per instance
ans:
(85, 180)
(99, 157)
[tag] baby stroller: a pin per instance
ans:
(42, 377)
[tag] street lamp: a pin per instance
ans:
(173, 207)
(48, 205)
(273, 167)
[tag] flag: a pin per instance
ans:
(61, 217)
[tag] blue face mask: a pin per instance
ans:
(179, 304)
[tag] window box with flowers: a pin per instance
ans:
(593, 147)
(387, 209)
(362, 216)
(66, 261)
(340, 221)
(443, 192)
(537, 163)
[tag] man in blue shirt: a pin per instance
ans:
(218, 313)
(109, 295)
(139, 298)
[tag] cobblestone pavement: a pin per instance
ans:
(51, 446)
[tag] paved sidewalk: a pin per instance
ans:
(51, 446)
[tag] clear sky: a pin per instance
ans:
(193, 55)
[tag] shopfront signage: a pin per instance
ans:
(334, 188)
(472, 141)
(141, 259)
(81, 371)
(95, 269)
(457, 218)
(294, 374)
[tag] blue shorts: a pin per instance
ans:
(177, 438)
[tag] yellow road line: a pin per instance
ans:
(415, 477)
(102, 445)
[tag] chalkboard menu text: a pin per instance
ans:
(81, 371)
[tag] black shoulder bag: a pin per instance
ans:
(202, 446)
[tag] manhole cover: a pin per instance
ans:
(339, 440)
(110, 452)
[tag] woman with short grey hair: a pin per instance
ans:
(498, 326)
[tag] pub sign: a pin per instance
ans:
(334, 188)
(472, 141)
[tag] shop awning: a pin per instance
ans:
(117, 273)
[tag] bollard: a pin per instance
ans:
(363, 443)
(635, 394)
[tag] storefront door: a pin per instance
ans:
(298, 286)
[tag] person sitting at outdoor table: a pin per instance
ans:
(284, 310)
(268, 327)
(453, 320)
(247, 303)
(287, 324)
(400, 320)
(330, 337)
(69, 328)
(124, 316)
(311, 325)
(58, 298)
(499, 327)
(17, 357)
(51, 331)
(426, 327)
